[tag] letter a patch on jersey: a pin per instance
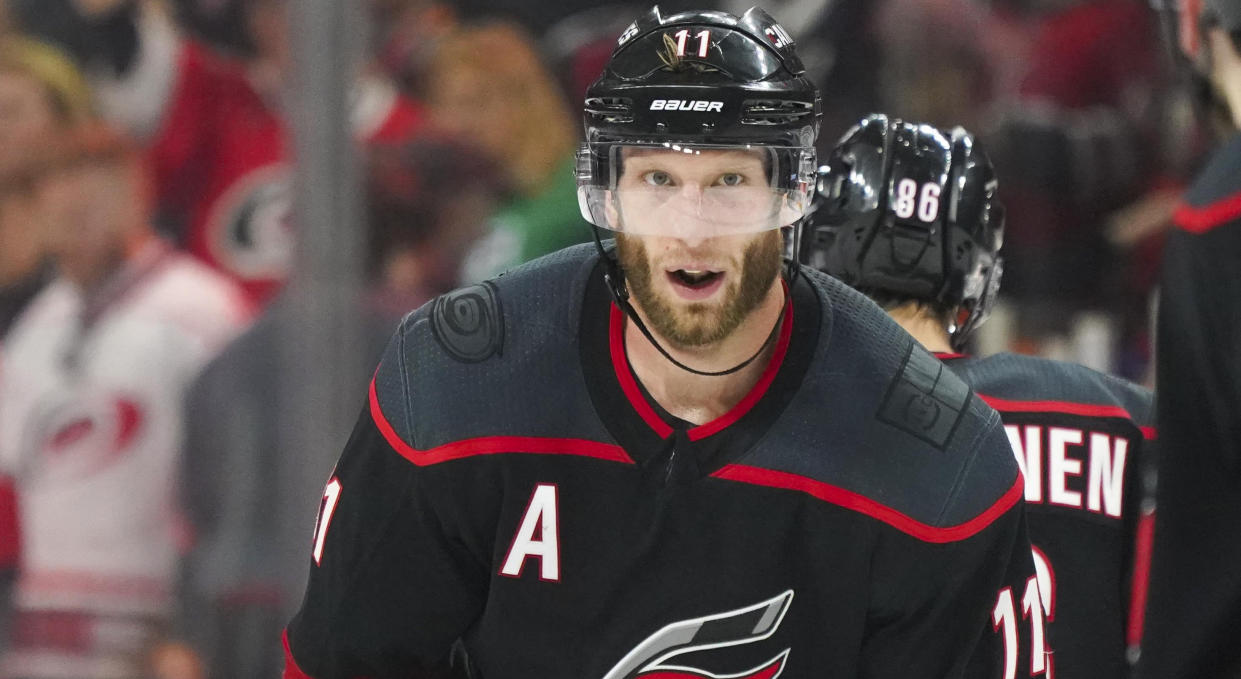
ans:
(537, 536)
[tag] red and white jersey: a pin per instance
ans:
(221, 151)
(90, 427)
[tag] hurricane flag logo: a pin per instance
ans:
(654, 657)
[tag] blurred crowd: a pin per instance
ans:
(147, 229)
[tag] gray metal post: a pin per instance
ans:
(324, 357)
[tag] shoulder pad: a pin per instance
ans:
(495, 359)
(881, 424)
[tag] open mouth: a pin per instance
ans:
(695, 284)
(696, 279)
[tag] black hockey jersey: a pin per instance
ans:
(1082, 439)
(1194, 611)
(509, 488)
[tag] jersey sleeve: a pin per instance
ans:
(390, 587)
(1200, 326)
(963, 602)
(1191, 614)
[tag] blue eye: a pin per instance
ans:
(657, 178)
(731, 179)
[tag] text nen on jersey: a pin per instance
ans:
(1069, 467)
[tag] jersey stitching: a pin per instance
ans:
(406, 413)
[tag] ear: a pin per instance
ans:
(612, 207)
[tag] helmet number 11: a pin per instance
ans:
(704, 41)
(909, 198)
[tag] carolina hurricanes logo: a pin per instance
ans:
(249, 228)
(649, 660)
(80, 438)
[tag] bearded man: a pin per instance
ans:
(674, 456)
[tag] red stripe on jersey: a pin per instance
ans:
(491, 445)
(1202, 219)
(620, 365)
(1065, 407)
(10, 531)
(760, 388)
(1149, 433)
(948, 355)
(1144, 542)
(291, 670)
(859, 503)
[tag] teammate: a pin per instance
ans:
(907, 214)
(675, 457)
(1194, 610)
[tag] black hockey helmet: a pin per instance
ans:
(695, 82)
(909, 210)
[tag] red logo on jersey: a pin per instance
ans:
(86, 436)
(651, 658)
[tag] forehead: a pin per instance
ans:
(692, 158)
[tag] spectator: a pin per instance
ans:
(42, 96)
(427, 203)
(215, 129)
(91, 379)
(406, 35)
(513, 108)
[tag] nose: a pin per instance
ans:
(691, 224)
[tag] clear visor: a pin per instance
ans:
(695, 191)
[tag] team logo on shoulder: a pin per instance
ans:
(469, 323)
(653, 658)
(925, 399)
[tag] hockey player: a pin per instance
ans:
(91, 384)
(1194, 610)
(675, 457)
(908, 215)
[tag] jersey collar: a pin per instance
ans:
(647, 432)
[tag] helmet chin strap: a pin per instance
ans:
(615, 280)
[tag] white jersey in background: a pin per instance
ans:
(90, 427)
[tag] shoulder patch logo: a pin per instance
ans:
(649, 659)
(469, 323)
(925, 399)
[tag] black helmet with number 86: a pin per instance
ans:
(911, 212)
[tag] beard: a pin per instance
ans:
(698, 324)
